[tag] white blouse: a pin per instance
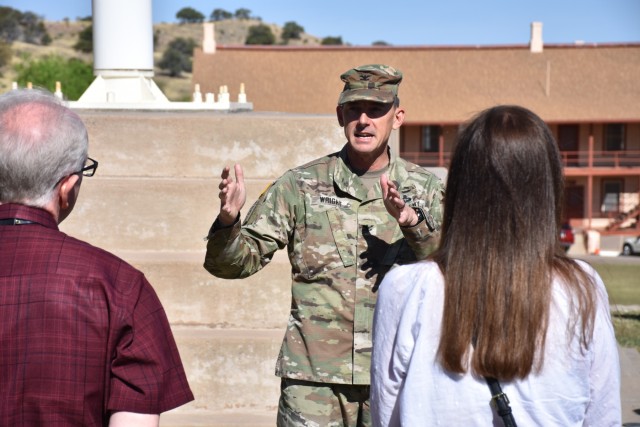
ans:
(409, 388)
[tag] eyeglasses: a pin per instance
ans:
(89, 169)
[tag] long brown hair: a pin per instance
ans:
(499, 247)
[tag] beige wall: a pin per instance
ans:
(152, 201)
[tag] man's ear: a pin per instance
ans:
(398, 118)
(339, 114)
(67, 193)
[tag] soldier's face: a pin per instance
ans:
(367, 126)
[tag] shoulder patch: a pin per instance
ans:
(266, 189)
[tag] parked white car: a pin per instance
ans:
(631, 246)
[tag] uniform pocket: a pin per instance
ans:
(328, 244)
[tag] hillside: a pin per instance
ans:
(65, 34)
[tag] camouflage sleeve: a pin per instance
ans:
(423, 237)
(239, 251)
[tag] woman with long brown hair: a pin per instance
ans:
(498, 299)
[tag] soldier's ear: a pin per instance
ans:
(398, 118)
(339, 114)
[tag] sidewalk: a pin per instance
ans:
(609, 246)
(630, 387)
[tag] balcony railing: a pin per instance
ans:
(428, 159)
(608, 159)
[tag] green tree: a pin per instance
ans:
(31, 31)
(45, 39)
(10, 24)
(291, 30)
(74, 75)
(174, 62)
(243, 13)
(380, 43)
(331, 40)
(26, 27)
(177, 57)
(189, 14)
(183, 45)
(220, 15)
(260, 34)
(85, 40)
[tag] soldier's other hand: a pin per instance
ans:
(395, 204)
(232, 195)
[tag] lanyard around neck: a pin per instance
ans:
(15, 221)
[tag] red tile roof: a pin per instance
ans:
(442, 85)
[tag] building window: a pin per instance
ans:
(614, 135)
(569, 142)
(611, 190)
(568, 137)
(431, 138)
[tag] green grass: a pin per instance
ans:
(627, 327)
(622, 281)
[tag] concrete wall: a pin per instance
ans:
(152, 201)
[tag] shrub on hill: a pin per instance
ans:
(177, 56)
(330, 40)
(74, 75)
(85, 40)
(260, 34)
(291, 30)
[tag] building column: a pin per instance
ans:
(590, 179)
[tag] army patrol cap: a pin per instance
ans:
(375, 82)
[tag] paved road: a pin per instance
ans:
(611, 260)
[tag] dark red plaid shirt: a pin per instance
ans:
(82, 333)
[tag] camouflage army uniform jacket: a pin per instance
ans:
(341, 240)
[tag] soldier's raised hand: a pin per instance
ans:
(232, 195)
(395, 204)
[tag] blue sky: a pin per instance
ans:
(412, 22)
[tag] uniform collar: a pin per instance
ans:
(350, 183)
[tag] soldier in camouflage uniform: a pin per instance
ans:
(345, 220)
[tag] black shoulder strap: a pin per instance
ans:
(500, 402)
